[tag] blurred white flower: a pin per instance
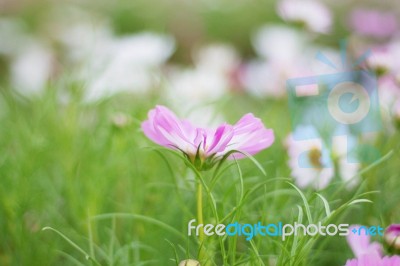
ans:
(83, 40)
(192, 90)
(221, 58)
(313, 14)
(196, 86)
(282, 50)
(128, 64)
(384, 59)
(279, 43)
(31, 61)
(343, 148)
(311, 162)
(380, 61)
(31, 69)
(389, 93)
(265, 79)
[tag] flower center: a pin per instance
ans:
(314, 155)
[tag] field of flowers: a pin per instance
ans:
(124, 125)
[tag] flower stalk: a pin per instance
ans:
(202, 251)
(200, 210)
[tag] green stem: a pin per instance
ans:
(202, 250)
(200, 210)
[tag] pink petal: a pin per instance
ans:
(150, 132)
(220, 140)
(352, 262)
(391, 261)
(370, 260)
(360, 244)
(250, 136)
(165, 129)
(374, 260)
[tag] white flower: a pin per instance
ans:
(128, 64)
(313, 14)
(263, 78)
(380, 61)
(384, 59)
(31, 69)
(311, 162)
(31, 61)
(344, 149)
(196, 86)
(193, 90)
(281, 49)
(83, 41)
(279, 43)
(221, 58)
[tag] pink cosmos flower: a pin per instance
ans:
(367, 254)
(360, 243)
(374, 260)
(206, 145)
(392, 236)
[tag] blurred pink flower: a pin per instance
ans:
(367, 254)
(248, 135)
(373, 23)
(392, 235)
(374, 260)
(313, 14)
(360, 243)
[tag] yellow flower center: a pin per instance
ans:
(314, 156)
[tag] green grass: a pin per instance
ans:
(75, 189)
(119, 201)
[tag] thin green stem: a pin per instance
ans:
(202, 250)
(200, 210)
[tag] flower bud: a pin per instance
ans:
(189, 262)
(392, 235)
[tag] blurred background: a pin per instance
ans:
(78, 77)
